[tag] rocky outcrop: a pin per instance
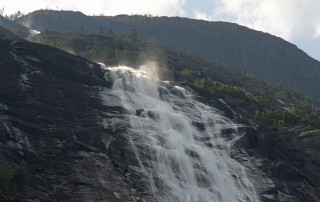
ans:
(282, 165)
(49, 121)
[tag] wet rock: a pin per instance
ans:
(228, 133)
(153, 115)
(54, 125)
(282, 171)
(140, 112)
(247, 138)
(191, 153)
(200, 126)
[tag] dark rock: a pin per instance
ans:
(191, 153)
(283, 171)
(50, 118)
(153, 115)
(199, 126)
(229, 133)
(140, 112)
(248, 138)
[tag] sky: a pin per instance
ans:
(297, 21)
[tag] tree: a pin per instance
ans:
(81, 29)
(133, 37)
(101, 29)
(186, 73)
(111, 33)
(14, 16)
(294, 110)
(201, 83)
(2, 11)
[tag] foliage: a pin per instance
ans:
(285, 118)
(20, 33)
(217, 88)
(261, 100)
(131, 36)
(107, 48)
(186, 73)
(311, 132)
(12, 178)
(107, 144)
(13, 16)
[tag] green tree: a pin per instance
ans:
(133, 36)
(101, 29)
(111, 33)
(2, 11)
(14, 16)
(81, 28)
(186, 73)
(294, 110)
(201, 83)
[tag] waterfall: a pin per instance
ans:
(178, 141)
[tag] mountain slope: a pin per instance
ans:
(14, 27)
(265, 55)
(62, 131)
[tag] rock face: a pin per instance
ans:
(49, 112)
(282, 165)
(51, 120)
(294, 161)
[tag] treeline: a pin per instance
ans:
(261, 100)
(108, 47)
(13, 16)
(215, 87)
(287, 118)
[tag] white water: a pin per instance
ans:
(34, 32)
(183, 163)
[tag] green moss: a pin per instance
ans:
(311, 132)
(107, 144)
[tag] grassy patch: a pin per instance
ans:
(307, 133)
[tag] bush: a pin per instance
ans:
(12, 178)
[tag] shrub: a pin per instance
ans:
(12, 178)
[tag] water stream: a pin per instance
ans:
(179, 141)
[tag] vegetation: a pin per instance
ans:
(12, 178)
(13, 16)
(311, 132)
(262, 54)
(259, 100)
(289, 118)
(108, 48)
(263, 100)
(215, 87)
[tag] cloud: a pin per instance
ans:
(285, 18)
(294, 20)
(106, 7)
(163, 7)
(201, 15)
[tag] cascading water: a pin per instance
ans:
(177, 141)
